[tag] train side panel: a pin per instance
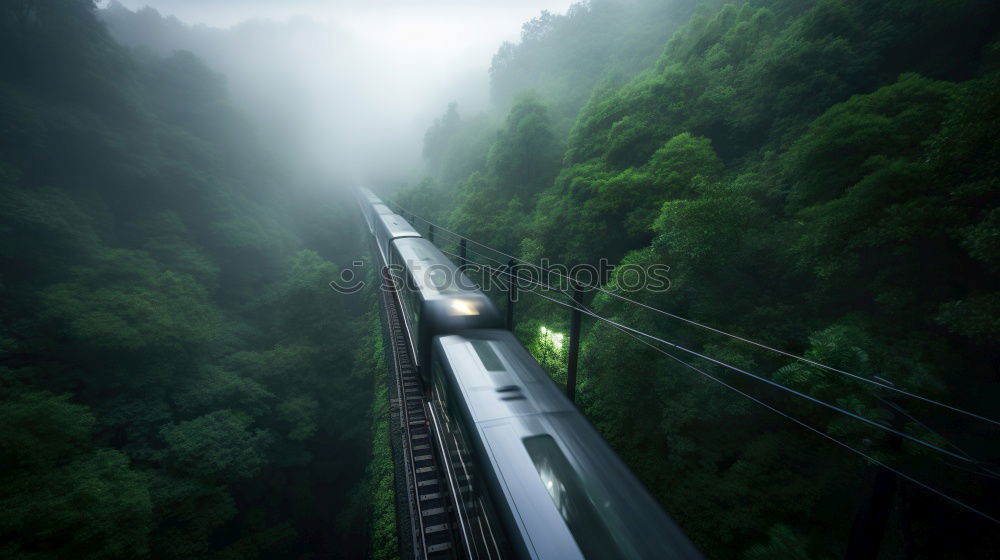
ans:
(389, 227)
(560, 489)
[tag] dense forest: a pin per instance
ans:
(177, 379)
(821, 177)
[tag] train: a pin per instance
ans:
(529, 476)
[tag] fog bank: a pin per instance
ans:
(345, 89)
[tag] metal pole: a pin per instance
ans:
(574, 341)
(873, 514)
(461, 252)
(511, 294)
(430, 233)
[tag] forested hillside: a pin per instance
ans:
(175, 372)
(563, 57)
(821, 177)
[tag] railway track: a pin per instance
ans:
(427, 491)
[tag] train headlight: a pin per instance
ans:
(463, 307)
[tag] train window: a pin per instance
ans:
(486, 355)
(412, 303)
(570, 497)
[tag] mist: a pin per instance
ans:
(800, 199)
(341, 90)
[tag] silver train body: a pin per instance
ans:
(530, 477)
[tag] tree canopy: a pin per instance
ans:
(819, 177)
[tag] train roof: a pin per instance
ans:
(434, 274)
(369, 196)
(379, 208)
(573, 495)
(499, 378)
(395, 226)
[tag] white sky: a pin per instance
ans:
(398, 62)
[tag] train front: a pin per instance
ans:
(437, 297)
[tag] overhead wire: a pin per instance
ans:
(742, 371)
(772, 383)
(877, 382)
(822, 433)
(626, 330)
(904, 412)
(635, 334)
(987, 472)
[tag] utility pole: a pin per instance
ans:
(511, 294)
(574, 341)
(873, 514)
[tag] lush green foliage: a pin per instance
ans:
(821, 177)
(381, 478)
(601, 43)
(175, 372)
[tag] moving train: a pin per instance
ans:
(530, 477)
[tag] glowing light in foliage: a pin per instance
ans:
(555, 338)
(463, 307)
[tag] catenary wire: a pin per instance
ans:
(883, 384)
(964, 455)
(626, 330)
(757, 377)
(905, 413)
(987, 472)
(820, 432)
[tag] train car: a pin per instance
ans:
(388, 228)
(367, 196)
(530, 477)
(366, 199)
(374, 211)
(436, 297)
(371, 207)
